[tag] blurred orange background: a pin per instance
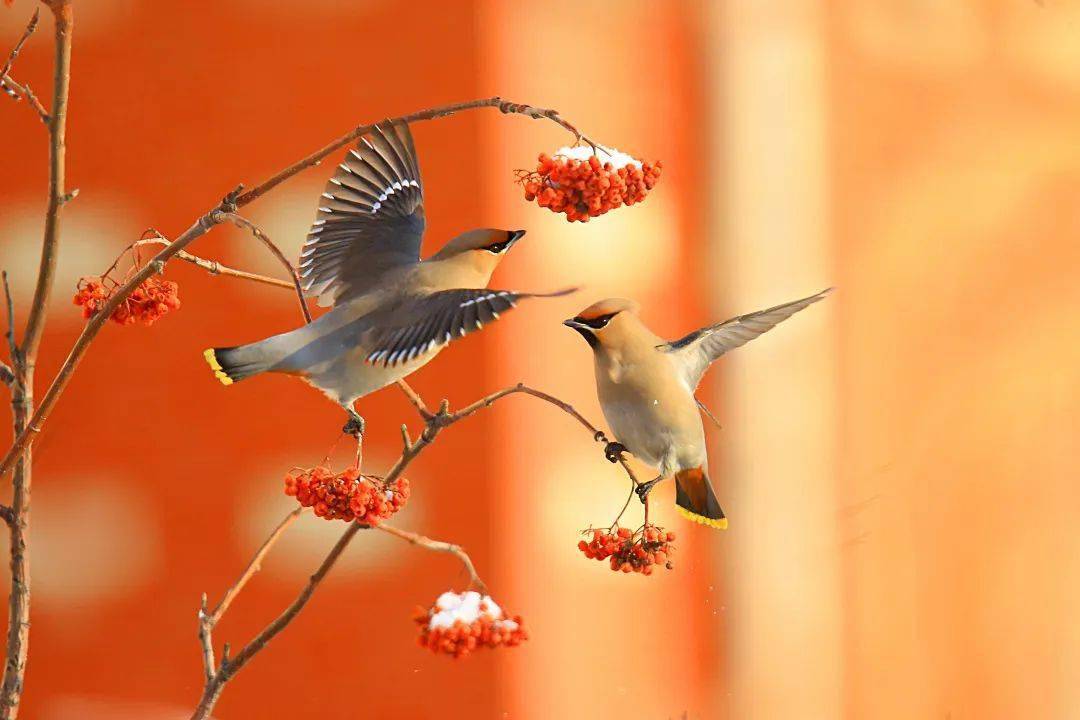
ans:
(898, 463)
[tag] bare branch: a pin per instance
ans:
(246, 224)
(438, 546)
(206, 629)
(434, 423)
(25, 358)
(708, 412)
(8, 83)
(415, 399)
(30, 27)
(504, 106)
(213, 266)
(13, 347)
(253, 567)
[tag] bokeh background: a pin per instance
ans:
(899, 463)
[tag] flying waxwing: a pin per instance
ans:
(646, 388)
(392, 312)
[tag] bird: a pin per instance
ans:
(646, 388)
(392, 312)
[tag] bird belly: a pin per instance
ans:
(348, 377)
(664, 433)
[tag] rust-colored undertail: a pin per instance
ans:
(696, 500)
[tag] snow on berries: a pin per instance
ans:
(152, 299)
(347, 495)
(628, 551)
(459, 623)
(583, 183)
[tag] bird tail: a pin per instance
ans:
(696, 500)
(232, 364)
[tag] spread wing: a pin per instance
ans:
(700, 348)
(432, 321)
(370, 219)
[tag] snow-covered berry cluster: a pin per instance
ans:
(584, 184)
(347, 495)
(628, 551)
(459, 623)
(146, 303)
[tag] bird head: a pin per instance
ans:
(485, 246)
(604, 322)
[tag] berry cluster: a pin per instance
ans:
(631, 551)
(346, 495)
(146, 303)
(583, 184)
(457, 624)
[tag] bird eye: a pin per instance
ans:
(497, 248)
(597, 323)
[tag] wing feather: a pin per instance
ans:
(370, 218)
(434, 320)
(701, 348)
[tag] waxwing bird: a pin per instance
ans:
(392, 312)
(646, 388)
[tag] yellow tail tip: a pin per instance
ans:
(719, 523)
(212, 361)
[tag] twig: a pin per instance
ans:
(13, 347)
(30, 27)
(438, 546)
(246, 224)
(227, 668)
(208, 620)
(415, 399)
(504, 106)
(18, 630)
(232, 201)
(8, 83)
(708, 412)
(253, 567)
(214, 267)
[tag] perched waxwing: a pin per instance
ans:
(646, 388)
(392, 312)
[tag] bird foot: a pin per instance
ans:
(613, 450)
(644, 488)
(355, 426)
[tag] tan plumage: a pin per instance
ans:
(646, 389)
(392, 312)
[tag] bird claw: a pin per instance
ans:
(644, 488)
(613, 451)
(355, 426)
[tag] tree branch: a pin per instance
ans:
(246, 224)
(434, 423)
(25, 358)
(213, 266)
(504, 106)
(15, 89)
(438, 546)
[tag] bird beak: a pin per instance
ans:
(515, 235)
(584, 330)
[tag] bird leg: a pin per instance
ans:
(356, 424)
(613, 450)
(644, 488)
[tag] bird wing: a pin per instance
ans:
(370, 219)
(432, 321)
(700, 348)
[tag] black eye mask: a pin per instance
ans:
(498, 248)
(597, 323)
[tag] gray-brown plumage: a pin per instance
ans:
(392, 312)
(646, 389)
